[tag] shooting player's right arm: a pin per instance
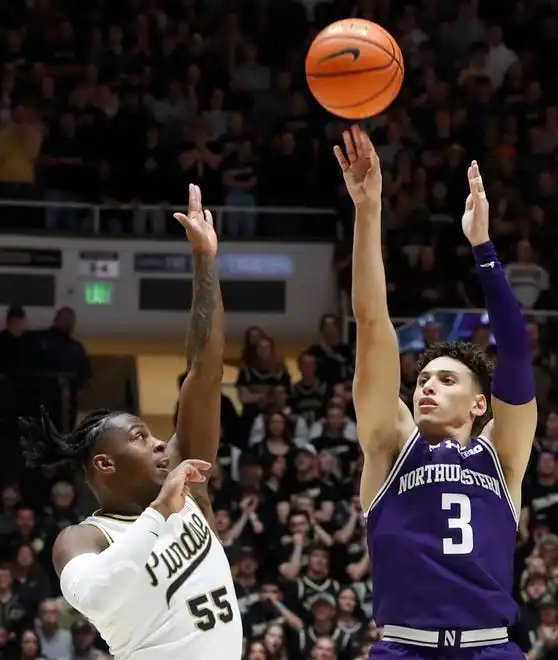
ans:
(383, 421)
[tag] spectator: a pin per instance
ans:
(83, 638)
(309, 393)
(277, 401)
(64, 169)
(529, 280)
(13, 341)
(257, 378)
(13, 616)
(30, 646)
(20, 143)
(56, 643)
(62, 353)
(333, 356)
(31, 582)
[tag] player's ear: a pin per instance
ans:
(480, 405)
(103, 463)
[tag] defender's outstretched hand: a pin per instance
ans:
(360, 167)
(475, 218)
(198, 223)
(175, 488)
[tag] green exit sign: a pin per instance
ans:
(99, 293)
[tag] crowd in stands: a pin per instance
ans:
(128, 102)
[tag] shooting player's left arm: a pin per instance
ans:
(512, 431)
(514, 404)
(198, 426)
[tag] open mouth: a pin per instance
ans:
(163, 465)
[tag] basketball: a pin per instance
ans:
(354, 68)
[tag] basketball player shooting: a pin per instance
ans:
(147, 569)
(442, 486)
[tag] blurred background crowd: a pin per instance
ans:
(125, 103)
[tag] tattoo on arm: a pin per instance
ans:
(206, 300)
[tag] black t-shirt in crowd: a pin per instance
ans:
(308, 400)
(346, 450)
(305, 591)
(315, 488)
(334, 366)
(543, 501)
(260, 615)
(262, 379)
(246, 596)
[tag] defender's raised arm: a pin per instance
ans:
(377, 374)
(199, 405)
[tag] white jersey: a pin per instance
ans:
(184, 604)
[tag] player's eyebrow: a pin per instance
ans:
(137, 425)
(440, 372)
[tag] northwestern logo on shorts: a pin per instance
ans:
(444, 526)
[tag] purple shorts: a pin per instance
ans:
(394, 651)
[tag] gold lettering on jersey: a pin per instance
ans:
(181, 557)
(447, 473)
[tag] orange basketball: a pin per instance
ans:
(354, 68)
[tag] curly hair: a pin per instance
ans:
(42, 444)
(474, 358)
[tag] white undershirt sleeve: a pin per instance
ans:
(97, 583)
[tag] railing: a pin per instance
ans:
(219, 212)
(455, 323)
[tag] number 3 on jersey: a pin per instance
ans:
(459, 506)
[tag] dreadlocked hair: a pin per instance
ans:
(474, 358)
(43, 444)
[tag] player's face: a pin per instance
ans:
(133, 463)
(446, 398)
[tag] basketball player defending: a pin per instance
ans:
(441, 487)
(147, 569)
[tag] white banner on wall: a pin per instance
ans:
(143, 288)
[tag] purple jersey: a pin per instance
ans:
(441, 535)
